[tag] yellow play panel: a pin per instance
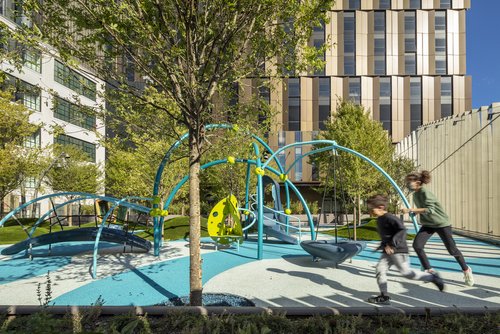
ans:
(224, 225)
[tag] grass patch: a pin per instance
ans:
(367, 232)
(175, 228)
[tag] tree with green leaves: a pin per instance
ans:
(16, 161)
(351, 126)
(184, 51)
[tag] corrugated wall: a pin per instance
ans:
(463, 154)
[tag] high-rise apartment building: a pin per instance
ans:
(403, 60)
(54, 93)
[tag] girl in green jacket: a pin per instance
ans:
(434, 220)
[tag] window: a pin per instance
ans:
(415, 4)
(415, 103)
(349, 43)
(33, 140)
(324, 102)
(445, 4)
(298, 157)
(379, 42)
(354, 4)
(30, 182)
(282, 143)
(32, 59)
(385, 104)
(318, 37)
(355, 90)
(385, 4)
(75, 81)
(446, 97)
(86, 147)
(294, 104)
(73, 114)
(440, 41)
(264, 95)
(410, 63)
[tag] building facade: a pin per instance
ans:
(55, 94)
(403, 60)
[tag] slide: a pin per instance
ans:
(271, 218)
(81, 234)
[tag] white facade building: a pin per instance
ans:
(51, 89)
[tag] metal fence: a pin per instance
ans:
(463, 155)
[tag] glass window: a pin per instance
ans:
(32, 59)
(386, 104)
(440, 45)
(440, 20)
(75, 81)
(74, 114)
(415, 4)
(446, 97)
(445, 4)
(355, 90)
(298, 164)
(294, 104)
(385, 4)
(410, 63)
(349, 43)
(415, 103)
(324, 102)
(318, 37)
(440, 64)
(354, 4)
(33, 140)
(379, 42)
(86, 147)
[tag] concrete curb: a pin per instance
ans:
(14, 310)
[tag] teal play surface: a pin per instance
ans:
(166, 280)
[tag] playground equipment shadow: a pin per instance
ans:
(286, 276)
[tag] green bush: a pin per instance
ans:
(313, 207)
(296, 207)
(180, 322)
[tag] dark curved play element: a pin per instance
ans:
(330, 250)
(81, 234)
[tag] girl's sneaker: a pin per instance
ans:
(381, 300)
(468, 278)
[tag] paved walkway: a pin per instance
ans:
(286, 277)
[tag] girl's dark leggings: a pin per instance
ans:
(445, 234)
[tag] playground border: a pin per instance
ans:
(14, 310)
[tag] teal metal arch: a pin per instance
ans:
(259, 197)
(333, 145)
(101, 227)
(158, 223)
(82, 196)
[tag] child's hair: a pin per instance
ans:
(377, 201)
(424, 176)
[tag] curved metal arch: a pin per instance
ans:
(348, 150)
(101, 227)
(158, 223)
(252, 162)
(74, 193)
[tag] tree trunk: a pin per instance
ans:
(354, 221)
(195, 272)
(359, 210)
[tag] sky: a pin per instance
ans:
(483, 51)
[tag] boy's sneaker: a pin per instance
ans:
(438, 281)
(381, 300)
(469, 279)
(429, 271)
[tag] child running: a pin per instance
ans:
(394, 250)
(434, 220)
